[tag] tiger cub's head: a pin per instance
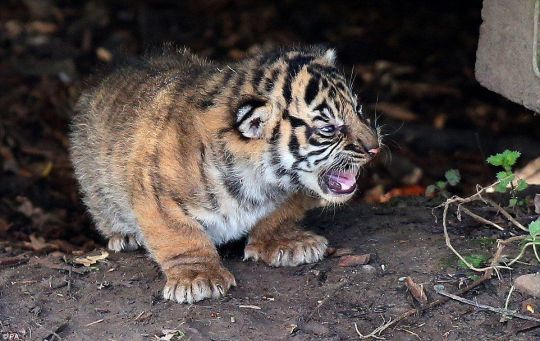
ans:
(304, 109)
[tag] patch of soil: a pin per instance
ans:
(120, 298)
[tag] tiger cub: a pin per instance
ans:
(178, 155)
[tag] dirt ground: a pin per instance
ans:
(120, 298)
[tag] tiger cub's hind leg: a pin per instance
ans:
(120, 242)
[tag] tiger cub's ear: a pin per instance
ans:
(251, 117)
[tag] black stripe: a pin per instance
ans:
(312, 90)
(297, 122)
(294, 179)
(231, 180)
(221, 133)
(254, 103)
(294, 146)
(332, 93)
(257, 77)
(295, 64)
(271, 57)
(316, 152)
(330, 153)
(269, 82)
(316, 143)
(155, 178)
(245, 117)
(353, 148)
(320, 108)
(321, 118)
(210, 195)
(180, 203)
(209, 96)
(275, 134)
(239, 80)
(324, 82)
(298, 62)
(328, 70)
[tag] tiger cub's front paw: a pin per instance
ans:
(291, 249)
(193, 283)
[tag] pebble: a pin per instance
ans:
(370, 269)
(528, 284)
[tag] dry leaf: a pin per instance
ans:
(353, 260)
(417, 291)
(39, 244)
(343, 252)
(172, 335)
(91, 260)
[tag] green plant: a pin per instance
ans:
(533, 239)
(475, 260)
(534, 230)
(507, 182)
(506, 178)
(452, 178)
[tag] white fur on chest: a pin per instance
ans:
(234, 221)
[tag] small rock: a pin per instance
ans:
(528, 284)
(369, 269)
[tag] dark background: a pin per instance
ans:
(412, 61)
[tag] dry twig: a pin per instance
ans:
(502, 311)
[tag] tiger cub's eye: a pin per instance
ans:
(329, 129)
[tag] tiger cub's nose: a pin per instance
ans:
(373, 151)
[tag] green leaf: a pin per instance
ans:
(522, 184)
(505, 159)
(441, 184)
(534, 228)
(495, 160)
(501, 188)
(512, 202)
(453, 177)
(505, 178)
(475, 260)
(503, 175)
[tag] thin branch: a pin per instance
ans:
(502, 311)
(479, 218)
(506, 214)
(449, 244)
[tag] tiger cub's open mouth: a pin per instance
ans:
(338, 182)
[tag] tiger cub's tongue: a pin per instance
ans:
(341, 181)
